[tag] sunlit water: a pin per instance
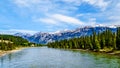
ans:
(43, 57)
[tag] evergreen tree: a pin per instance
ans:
(96, 41)
(118, 38)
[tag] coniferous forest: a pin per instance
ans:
(9, 42)
(106, 40)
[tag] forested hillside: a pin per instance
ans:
(96, 42)
(9, 42)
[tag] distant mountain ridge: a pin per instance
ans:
(44, 38)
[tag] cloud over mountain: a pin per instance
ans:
(54, 15)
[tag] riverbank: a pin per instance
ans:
(110, 52)
(3, 52)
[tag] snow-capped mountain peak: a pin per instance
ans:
(44, 38)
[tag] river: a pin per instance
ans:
(43, 57)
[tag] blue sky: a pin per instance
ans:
(31, 16)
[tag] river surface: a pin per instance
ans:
(43, 57)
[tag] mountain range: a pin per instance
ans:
(44, 38)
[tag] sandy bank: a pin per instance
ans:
(2, 52)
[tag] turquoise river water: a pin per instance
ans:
(43, 57)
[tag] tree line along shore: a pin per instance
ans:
(10, 42)
(106, 41)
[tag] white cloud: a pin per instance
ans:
(118, 5)
(73, 2)
(117, 8)
(61, 20)
(79, 15)
(35, 5)
(58, 6)
(67, 19)
(99, 3)
(24, 31)
(47, 20)
(92, 21)
(114, 14)
(57, 19)
(58, 9)
(13, 31)
(21, 3)
(116, 18)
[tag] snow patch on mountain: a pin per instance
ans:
(44, 38)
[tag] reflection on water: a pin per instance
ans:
(43, 57)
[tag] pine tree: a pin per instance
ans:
(114, 41)
(118, 38)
